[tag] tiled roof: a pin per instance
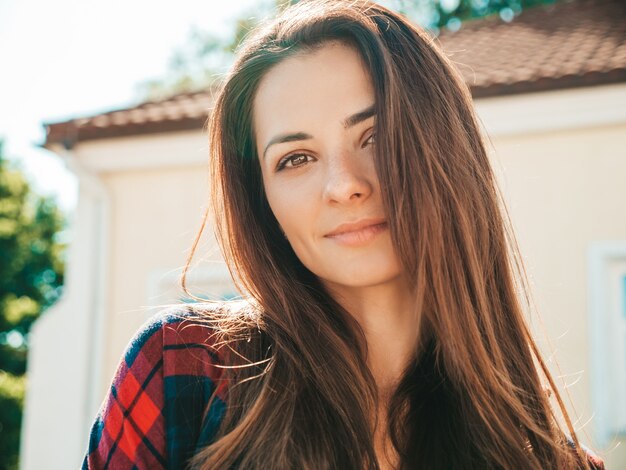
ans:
(567, 44)
(185, 111)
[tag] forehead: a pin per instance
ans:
(310, 89)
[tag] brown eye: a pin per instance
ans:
(293, 161)
(370, 140)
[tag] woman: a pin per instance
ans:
(357, 210)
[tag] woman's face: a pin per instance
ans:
(314, 121)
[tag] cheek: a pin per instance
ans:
(292, 207)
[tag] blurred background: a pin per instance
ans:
(103, 183)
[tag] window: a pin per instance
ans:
(607, 330)
(212, 282)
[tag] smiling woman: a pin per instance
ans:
(320, 180)
(381, 326)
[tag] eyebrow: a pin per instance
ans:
(359, 117)
(350, 121)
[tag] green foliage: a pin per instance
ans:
(436, 15)
(31, 276)
(11, 402)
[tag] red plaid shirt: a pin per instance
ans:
(152, 417)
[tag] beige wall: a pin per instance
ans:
(155, 214)
(157, 191)
(565, 189)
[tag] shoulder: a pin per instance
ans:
(187, 341)
(166, 398)
(180, 327)
(171, 319)
(199, 330)
(170, 337)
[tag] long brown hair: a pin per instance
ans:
(301, 394)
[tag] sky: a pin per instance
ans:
(67, 58)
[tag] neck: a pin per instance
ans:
(391, 326)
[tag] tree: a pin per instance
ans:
(437, 15)
(204, 57)
(31, 277)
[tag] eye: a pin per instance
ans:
(370, 140)
(294, 160)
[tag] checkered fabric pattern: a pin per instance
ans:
(595, 462)
(152, 417)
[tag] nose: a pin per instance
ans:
(348, 179)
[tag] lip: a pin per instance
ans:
(359, 232)
(355, 226)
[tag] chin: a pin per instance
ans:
(352, 269)
(362, 277)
